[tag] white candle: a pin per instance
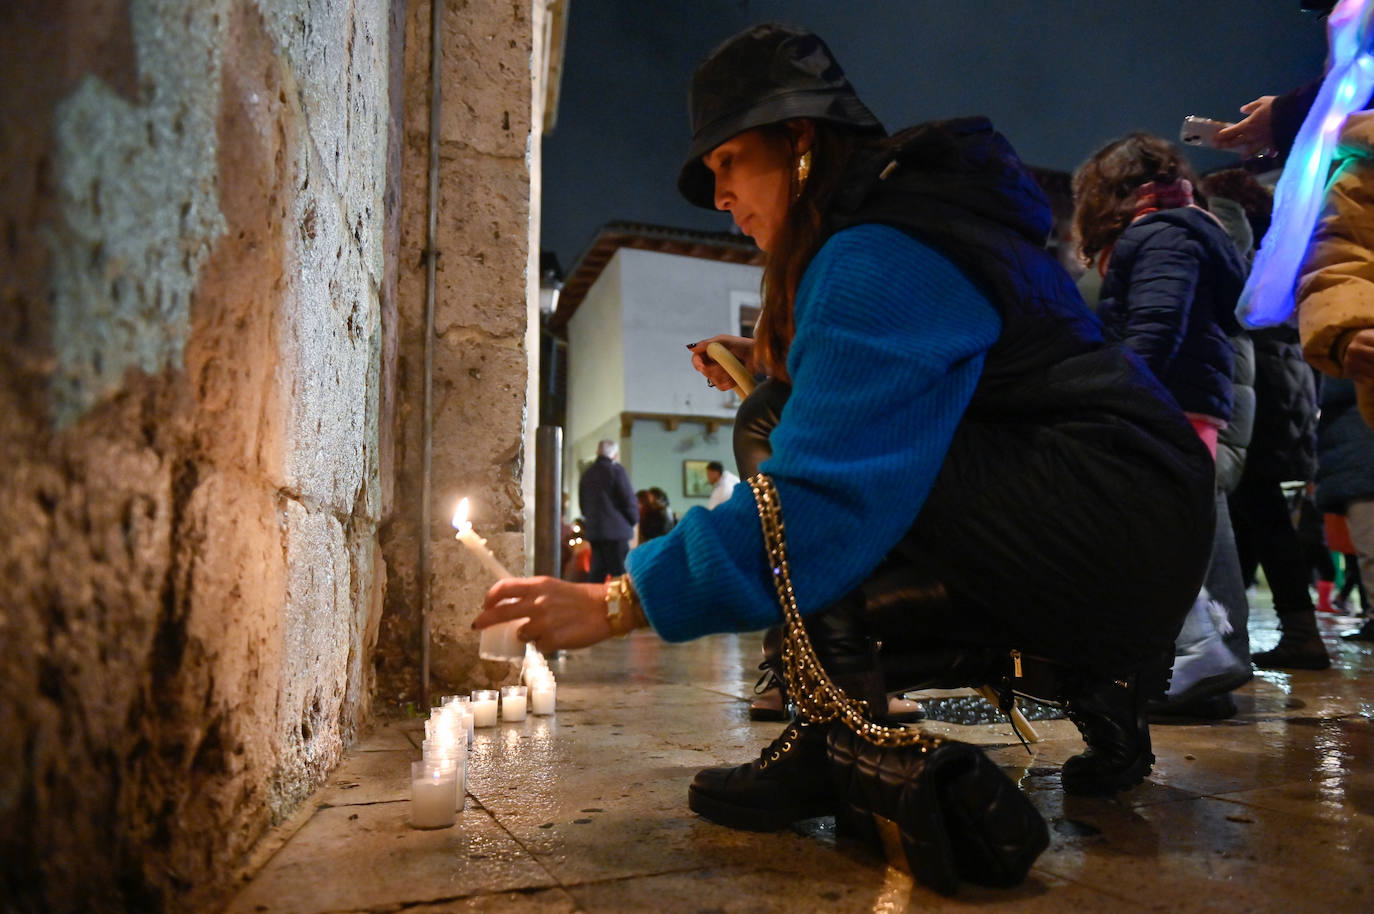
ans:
(513, 702)
(468, 537)
(498, 642)
(542, 692)
(433, 794)
(462, 706)
(484, 708)
(445, 725)
(502, 641)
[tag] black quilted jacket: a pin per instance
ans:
(1170, 294)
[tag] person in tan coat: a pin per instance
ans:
(1336, 304)
(1336, 285)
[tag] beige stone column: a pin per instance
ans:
(482, 350)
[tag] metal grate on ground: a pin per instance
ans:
(972, 709)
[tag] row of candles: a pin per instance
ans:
(438, 782)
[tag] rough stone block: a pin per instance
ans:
(484, 240)
(487, 81)
(330, 349)
(479, 413)
(315, 632)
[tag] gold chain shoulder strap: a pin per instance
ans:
(816, 695)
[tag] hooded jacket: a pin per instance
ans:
(1170, 294)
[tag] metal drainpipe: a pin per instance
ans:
(436, 13)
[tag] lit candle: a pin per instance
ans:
(446, 725)
(433, 794)
(462, 705)
(484, 707)
(535, 667)
(542, 692)
(513, 702)
(468, 537)
(498, 642)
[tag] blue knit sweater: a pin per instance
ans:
(889, 347)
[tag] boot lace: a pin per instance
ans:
(782, 746)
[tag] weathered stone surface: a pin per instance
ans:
(486, 75)
(191, 435)
(483, 220)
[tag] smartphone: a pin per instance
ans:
(1200, 131)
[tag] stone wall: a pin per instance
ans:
(195, 387)
(481, 352)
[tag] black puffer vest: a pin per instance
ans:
(1073, 514)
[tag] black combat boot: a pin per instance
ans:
(785, 784)
(788, 781)
(1111, 715)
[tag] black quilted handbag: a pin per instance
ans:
(953, 813)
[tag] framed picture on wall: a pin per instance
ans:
(694, 481)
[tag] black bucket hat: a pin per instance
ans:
(763, 75)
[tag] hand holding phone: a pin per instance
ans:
(1200, 131)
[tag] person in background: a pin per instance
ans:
(609, 510)
(969, 474)
(722, 482)
(661, 501)
(1352, 583)
(1311, 526)
(1345, 476)
(1335, 299)
(1171, 276)
(654, 517)
(1336, 286)
(1283, 447)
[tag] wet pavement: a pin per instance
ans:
(1272, 810)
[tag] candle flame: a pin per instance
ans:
(460, 516)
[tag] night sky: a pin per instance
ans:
(1059, 78)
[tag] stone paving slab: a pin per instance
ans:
(387, 736)
(1191, 856)
(586, 811)
(370, 777)
(367, 857)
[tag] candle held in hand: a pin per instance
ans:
(478, 546)
(498, 642)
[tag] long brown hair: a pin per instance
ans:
(802, 233)
(1104, 186)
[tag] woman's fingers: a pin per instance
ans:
(510, 598)
(716, 376)
(561, 614)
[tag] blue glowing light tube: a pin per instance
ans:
(1268, 295)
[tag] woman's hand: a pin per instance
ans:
(561, 614)
(740, 347)
(1253, 135)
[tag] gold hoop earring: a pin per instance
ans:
(803, 169)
